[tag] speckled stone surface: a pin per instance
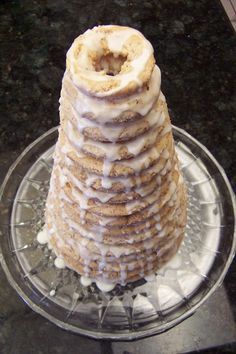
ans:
(195, 49)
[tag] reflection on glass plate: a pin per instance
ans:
(138, 309)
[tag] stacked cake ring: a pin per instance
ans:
(116, 208)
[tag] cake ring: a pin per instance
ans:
(110, 61)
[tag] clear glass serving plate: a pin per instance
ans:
(139, 309)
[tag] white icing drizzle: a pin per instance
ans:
(81, 198)
(65, 150)
(167, 246)
(85, 233)
(166, 130)
(91, 179)
(103, 197)
(157, 217)
(165, 154)
(142, 161)
(105, 287)
(106, 220)
(43, 237)
(63, 196)
(134, 206)
(158, 179)
(82, 216)
(123, 273)
(85, 281)
(59, 263)
(107, 166)
(62, 179)
(175, 262)
(106, 182)
(112, 133)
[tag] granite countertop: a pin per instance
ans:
(195, 49)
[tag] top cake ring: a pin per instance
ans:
(110, 61)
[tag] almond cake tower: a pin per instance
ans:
(116, 208)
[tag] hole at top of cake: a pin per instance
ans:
(110, 63)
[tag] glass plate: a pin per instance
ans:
(139, 309)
